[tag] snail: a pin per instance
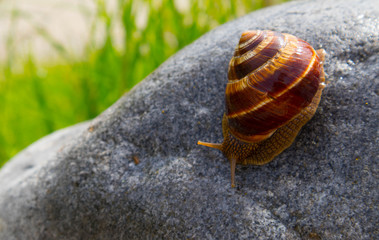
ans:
(275, 81)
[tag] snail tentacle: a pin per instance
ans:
(233, 162)
(211, 145)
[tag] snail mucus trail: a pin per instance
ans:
(275, 81)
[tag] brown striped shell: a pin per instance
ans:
(272, 77)
(275, 82)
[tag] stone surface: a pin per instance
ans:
(325, 186)
(38, 154)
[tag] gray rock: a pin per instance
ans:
(38, 154)
(325, 186)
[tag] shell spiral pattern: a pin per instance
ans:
(272, 77)
(275, 82)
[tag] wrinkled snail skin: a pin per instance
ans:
(275, 82)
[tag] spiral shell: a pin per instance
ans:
(272, 77)
(275, 82)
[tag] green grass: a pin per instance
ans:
(37, 99)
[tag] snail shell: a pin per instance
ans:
(275, 81)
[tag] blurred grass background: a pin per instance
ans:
(37, 99)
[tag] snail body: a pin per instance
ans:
(275, 82)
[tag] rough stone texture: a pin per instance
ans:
(325, 186)
(34, 157)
